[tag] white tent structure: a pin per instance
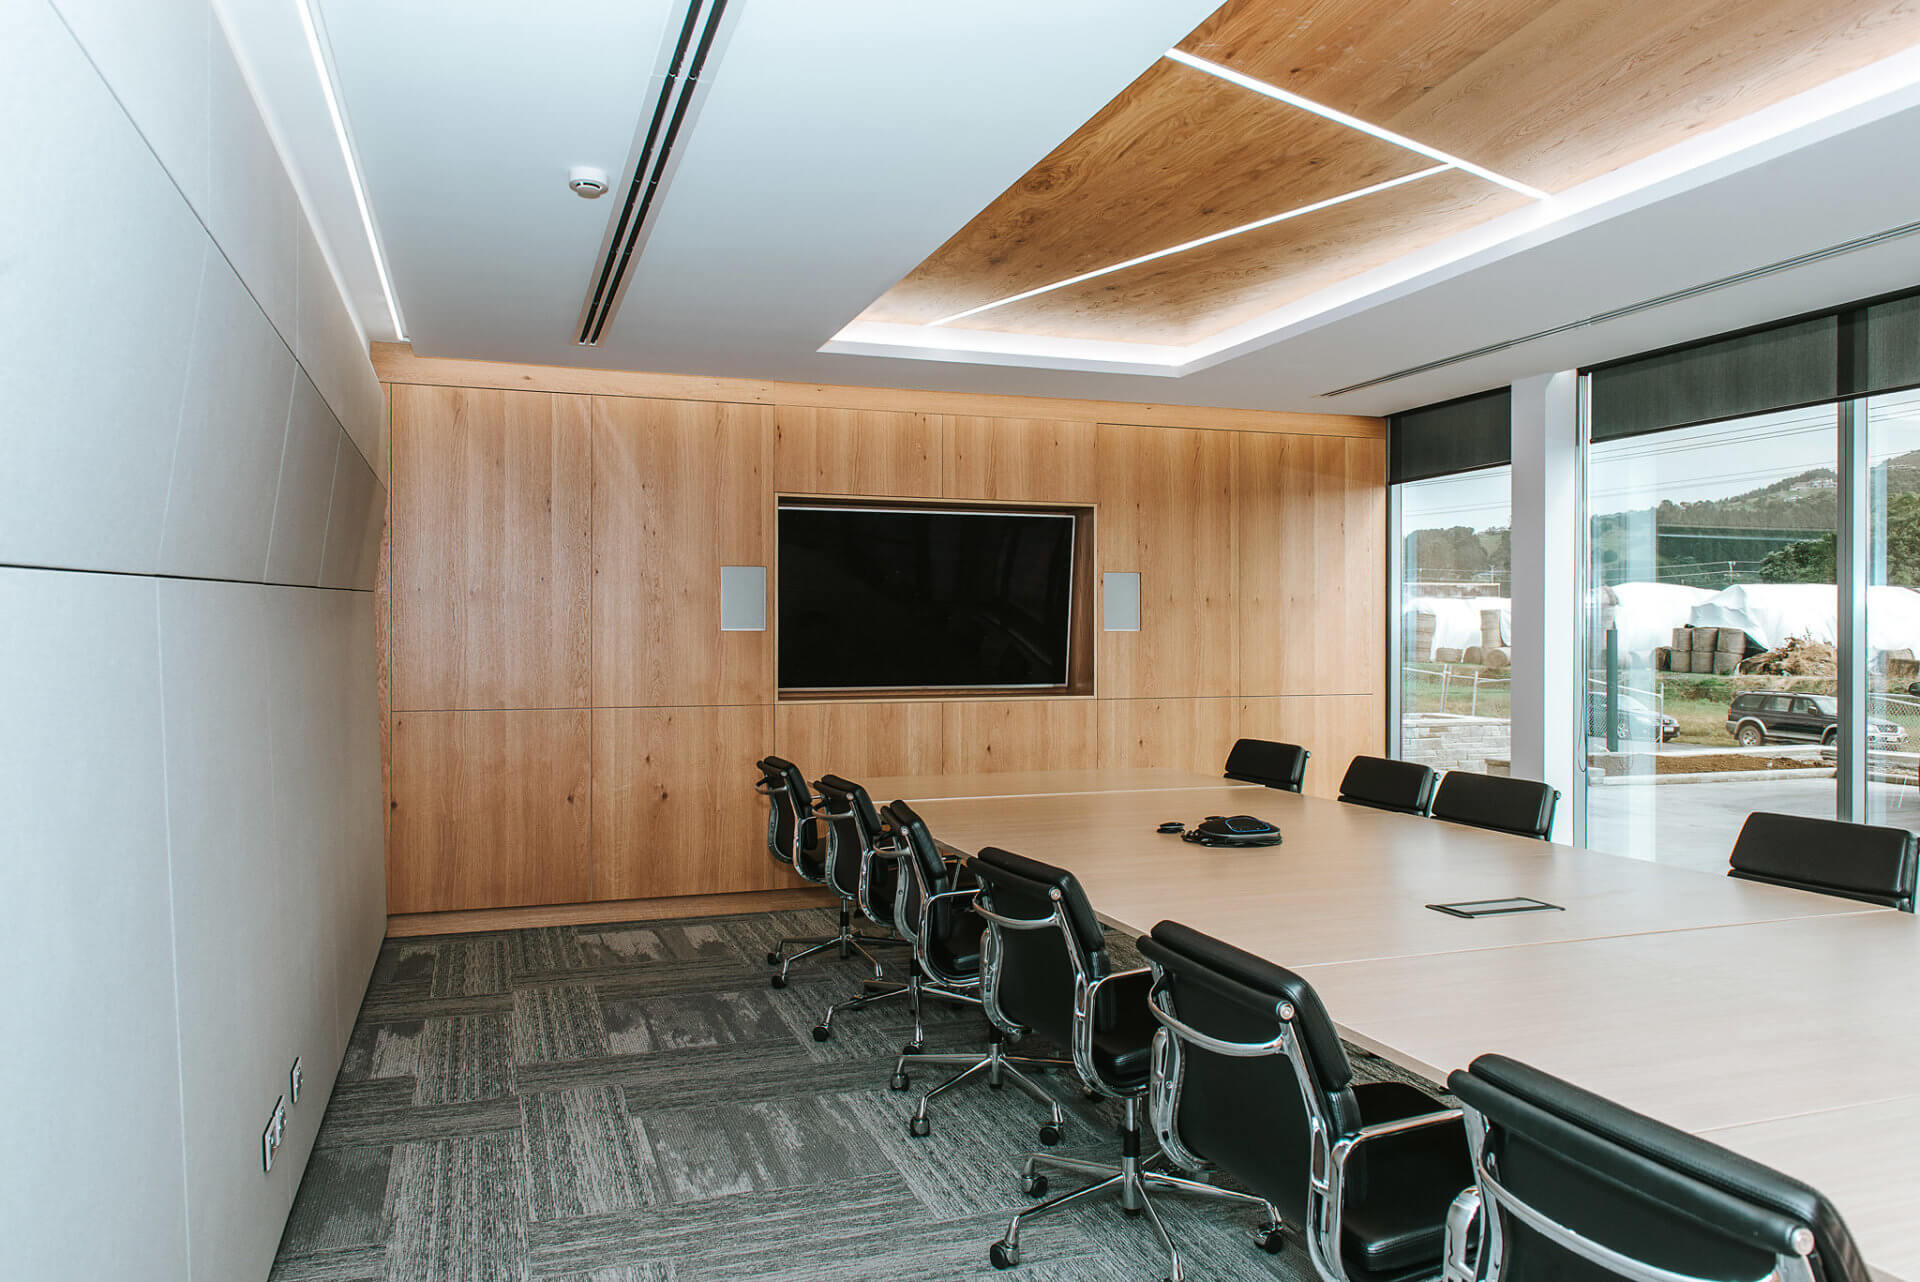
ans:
(1647, 613)
(1456, 621)
(1770, 613)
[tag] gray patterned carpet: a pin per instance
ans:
(634, 1103)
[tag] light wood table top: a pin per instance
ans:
(1032, 783)
(1878, 1167)
(1348, 883)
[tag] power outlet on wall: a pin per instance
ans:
(276, 1131)
(294, 1081)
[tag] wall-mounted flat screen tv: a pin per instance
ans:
(904, 598)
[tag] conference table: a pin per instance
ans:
(1782, 1024)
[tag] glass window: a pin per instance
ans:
(1893, 609)
(1711, 630)
(1455, 634)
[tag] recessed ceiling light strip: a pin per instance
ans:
(678, 91)
(325, 71)
(1278, 94)
(1184, 246)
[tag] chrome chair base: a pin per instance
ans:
(1130, 1181)
(846, 943)
(996, 1068)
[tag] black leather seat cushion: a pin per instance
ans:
(957, 932)
(1262, 761)
(1584, 1151)
(1385, 784)
(1519, 806)
(1871, 863)
(1123, 1031)
(1396, 1206)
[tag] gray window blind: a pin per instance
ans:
(1857, 350)
(1462, 435)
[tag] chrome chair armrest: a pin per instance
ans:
(1157, 1004)
(1459, 1261)
(1381, 1129)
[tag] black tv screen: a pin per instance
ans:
(874, 597)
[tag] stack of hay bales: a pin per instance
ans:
(1493, 649)
(1703, 651)
(1421, 626)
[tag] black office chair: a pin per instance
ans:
(793, 839)
(1250, 1077)
(1274, 765)
(1872, 863)
(935, 910)
(1570, 1185)
(1385, 784)
(853, 829)
(1519, 806)
(1048, 972)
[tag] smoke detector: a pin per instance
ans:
(587, 182)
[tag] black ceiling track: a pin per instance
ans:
(698, 30)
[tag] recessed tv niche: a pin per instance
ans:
(875, 597)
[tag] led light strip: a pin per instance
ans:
(325, 71)
(1184, 246)
(1278, 94)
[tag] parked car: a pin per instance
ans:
(1758, 717)
(1633, 719)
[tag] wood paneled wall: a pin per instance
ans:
(567, 723)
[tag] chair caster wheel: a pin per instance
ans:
(995, 1086)
(1050, 1134)
(899, 1082)
(822, 1033)
(1003, 1256)
(773, 959)
(1270, 1239)
(1092, 1096)
(914, 1048)
(1033, 1185)
(919, 1126)
(778, 981)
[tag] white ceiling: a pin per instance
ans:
(843, 140)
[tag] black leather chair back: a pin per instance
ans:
(1033, 982)
(953, 928)
(1262, 761)
(1248, 1116)
(789, 811)
(853, 826)
(1868, 862)
(1386, 784)
(1519, 806)
(1634, 1186)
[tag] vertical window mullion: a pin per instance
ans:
(1851, 564)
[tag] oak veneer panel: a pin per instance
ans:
(859, 741)
(396, 363)
(1179, 154)
(489, 810)
(680, 488)
(828, 451)
(1029, 460)
(1167, 734)
(1020, 734)
(1552, 93)
(1312, 578)
(1335, 728)
(1193, 295)
(1166, 511)
(491, 497)
(675, 812)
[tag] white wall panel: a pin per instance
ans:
(251, 208)
(95, 333)
(91, 1180)
(154, 54)
(233, 425)
(306, 488)
(329, 346)
(353, 525)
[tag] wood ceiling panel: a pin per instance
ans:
(1190, 296)
(1552, 93)
(1179, 154)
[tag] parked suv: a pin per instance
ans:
(1759, 717)
(1633, 719)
